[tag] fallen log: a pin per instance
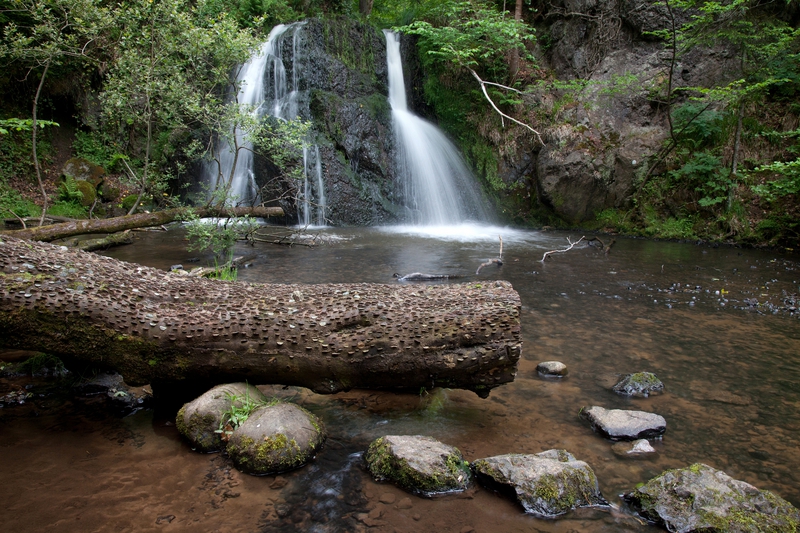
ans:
(139, 220)
(156, 328)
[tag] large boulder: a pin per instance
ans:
(81, 169)
(202, 420)
(418, 464)
(547, 484)
(641, 384)
(700, 498)
(276, 438)
(621, 424)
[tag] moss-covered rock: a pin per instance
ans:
(641, 384)
(276, 438)
(199, 420)
(547, 484)
(418, 464)
(700, 498)
(83, 170)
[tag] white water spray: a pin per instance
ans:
(438, 188)
(266, 89)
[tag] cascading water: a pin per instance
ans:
(438, 188)
(267, 90)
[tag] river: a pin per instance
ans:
(688, 313)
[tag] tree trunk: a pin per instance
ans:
(513, 64)
(365, 7)
(33, 140)
(166, 330)
(140, 220)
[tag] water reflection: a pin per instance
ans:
(732, 397)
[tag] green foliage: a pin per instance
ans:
(9, 125)
(698, 125)
(218, 235)
(259, 14)
(705, 173)
(95, 147)
(13, 204)
(68, 191)
(67, 209)
(43, 364)
(669, 227)
(472, 33)
(241, 407)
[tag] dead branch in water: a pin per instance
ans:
(570, 247)
(605, 247)
(497, 261)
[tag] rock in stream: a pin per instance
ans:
(547, 484)
(621, 424)
(418, 464)
(700, 498)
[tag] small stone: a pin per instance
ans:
(620, 424)
(387, 498)
(416, 517)
(405, 503)
(376, 513)
(552, 369)
(636, 448)
(641, 384)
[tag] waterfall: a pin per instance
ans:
(437, 186)
(268, 88)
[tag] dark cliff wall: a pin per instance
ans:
(344, 84)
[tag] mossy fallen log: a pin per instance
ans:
(71, 228)
(157, 328)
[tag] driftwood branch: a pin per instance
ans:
(512, 119)
(496, 261)
(567, 249)
(153, 327)
(603, 246)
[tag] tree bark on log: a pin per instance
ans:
(153, 327)
(139, 220)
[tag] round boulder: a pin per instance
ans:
(418, 464)
(641, 384)
(701, 498)
(547, 484)
(202, 420)
(275, 438)
(621, 424)
(553, 369)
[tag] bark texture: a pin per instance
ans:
(139, 220)
(153, 327)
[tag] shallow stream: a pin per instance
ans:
(715, 324)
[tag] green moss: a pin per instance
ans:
(276, 453)
(387, 467)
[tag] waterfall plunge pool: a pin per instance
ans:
(730, 366)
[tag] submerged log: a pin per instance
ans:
(156, 328)
(139, 220)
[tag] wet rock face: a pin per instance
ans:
(199, 420)
(342, 70)
(620, 424)
(276, 438)
(641, 384)
(418, 464)
(547, 484)
(701, 498)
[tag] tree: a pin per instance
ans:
(474, 36)
(168, 82)
(43, 34)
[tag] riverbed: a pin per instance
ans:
(719, 326)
